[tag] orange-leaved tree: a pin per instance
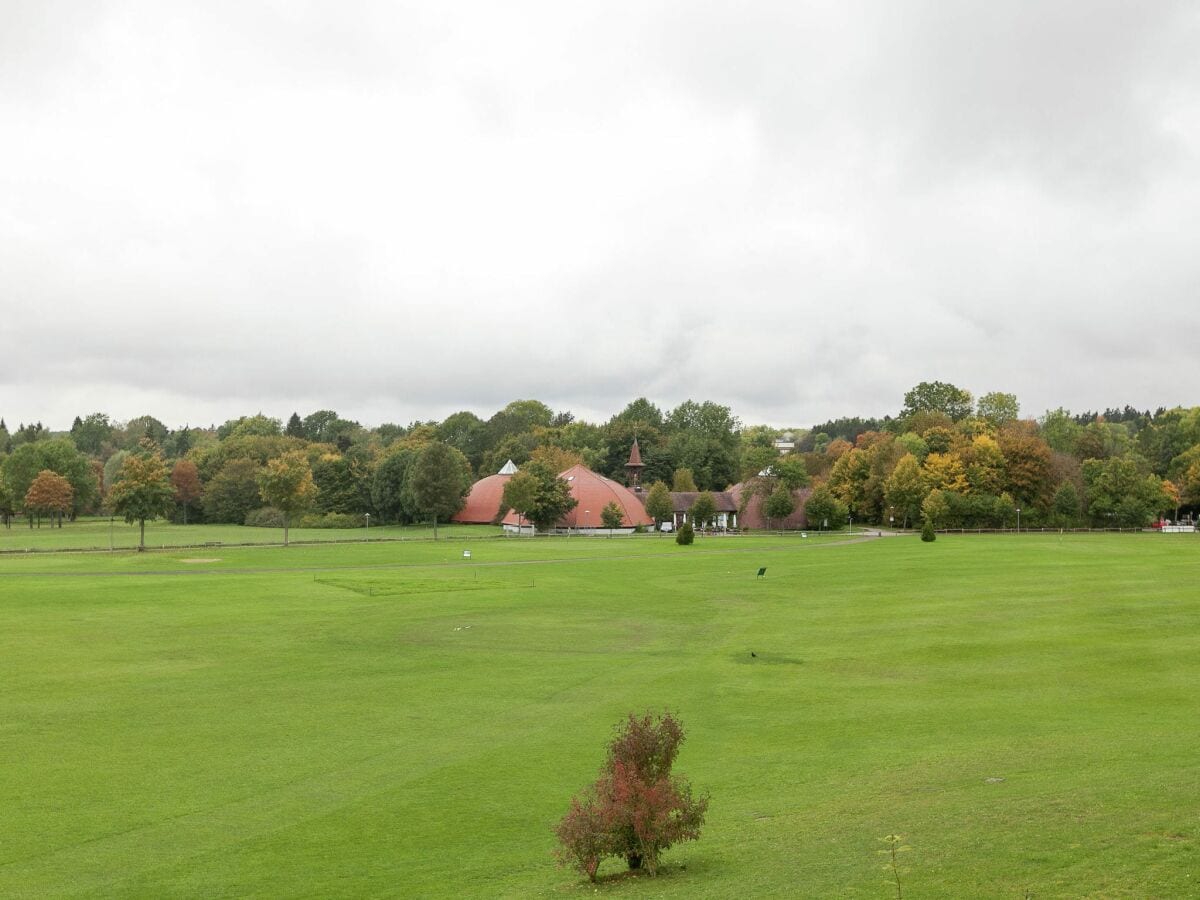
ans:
(49, 494)
(185, 478)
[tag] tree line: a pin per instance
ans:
(944, 456)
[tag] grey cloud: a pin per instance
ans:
(402, 210)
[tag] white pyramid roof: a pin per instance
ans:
(508, 469)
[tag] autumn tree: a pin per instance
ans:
(59, 455)
(439, 479)
(658, 503)
(905, 488)
(142, 491)
(287, 484)
(49, 494)
(637, 809)
(185, 478)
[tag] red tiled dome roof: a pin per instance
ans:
(594, 492)
(483, 503)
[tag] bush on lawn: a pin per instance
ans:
(636, 809)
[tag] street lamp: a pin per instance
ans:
(851, 515)
(1018, 520)
(892, 517)
(367, 527)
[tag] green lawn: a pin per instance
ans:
(393, 720)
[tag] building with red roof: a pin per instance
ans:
(593, 492)
(483, 503)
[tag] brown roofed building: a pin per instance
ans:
(594, 492)
(752, 513)
(483, 503)
(727, 508)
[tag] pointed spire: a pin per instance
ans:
(633, 468)
(508, 469)
(635, 457)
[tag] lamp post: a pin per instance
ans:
(892, 517)
(851, 515)
(1018, 520)
(367, 527)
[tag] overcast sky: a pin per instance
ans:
(402, 209)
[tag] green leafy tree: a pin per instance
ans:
(232, 493)
(389, 494)
(1066, 503)
(936, 507)
(658, 503)
(780, 505)
(143, 491)
(551, 496)
(439, 479)
(92, 433)
(791, 472)
(685, 535)
(998, 408)
(703, 437)
(927, 533)
(683, 482)
(521, 494)
(704, 509)
(938, 397)
(287, 484)
(295, 427)
(612, 516)
(824, 509)
(1118, 493)
(757, 459)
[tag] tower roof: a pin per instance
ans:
(635, 457)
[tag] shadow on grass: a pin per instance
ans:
(766, 659)
(673, 873)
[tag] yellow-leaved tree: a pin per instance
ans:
(287, 484)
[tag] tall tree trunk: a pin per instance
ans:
(435, 526)
(286, 521)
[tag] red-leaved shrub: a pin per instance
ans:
(636, 809)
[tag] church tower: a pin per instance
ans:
(633, 468)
